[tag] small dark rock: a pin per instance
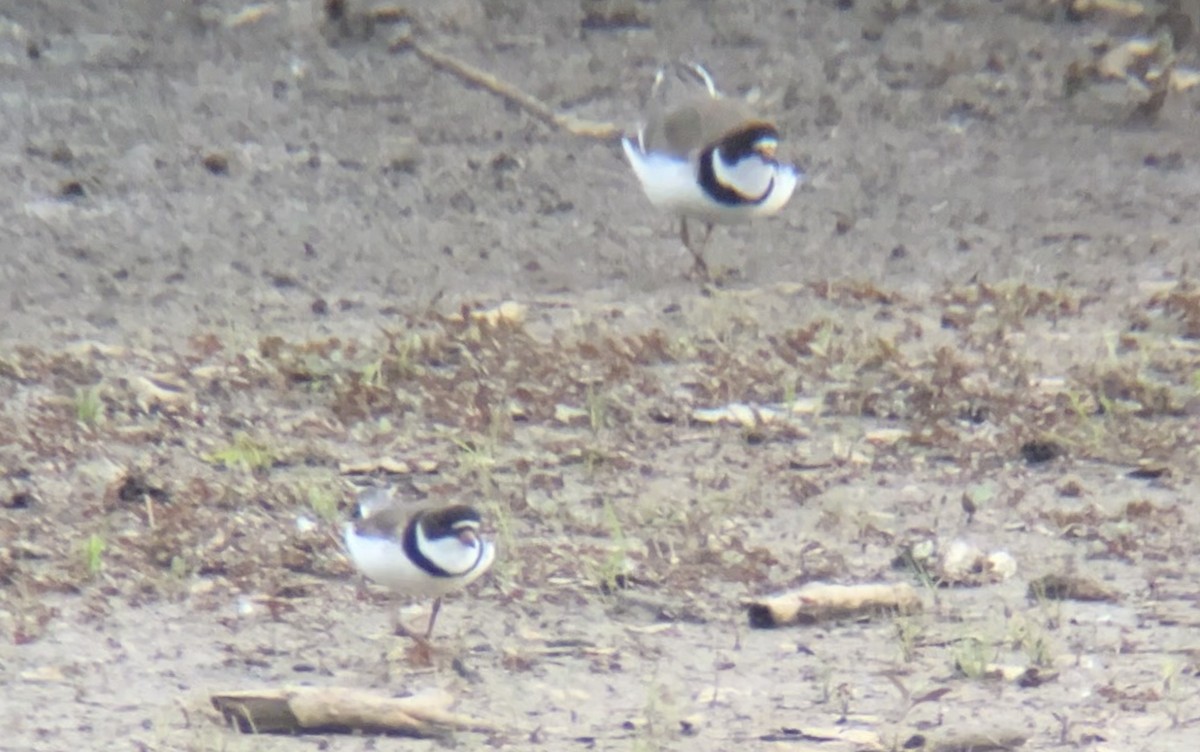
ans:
(504, 162)
(1039, 451)
(282, 281)
(1167, 162)
(1149, 472)
(71, 189)
(62, 154)
(216, 163)
(136, 488)
(19, 500)
(462, 201)
(335, 10)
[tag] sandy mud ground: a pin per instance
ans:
(251, 255)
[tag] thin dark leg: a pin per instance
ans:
(437, 606)
(700, 267)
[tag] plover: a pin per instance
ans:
(709, 158)
(417, 549)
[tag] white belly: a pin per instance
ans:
(383, 561)
(670, 183)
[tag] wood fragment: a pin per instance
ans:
(250, 14)
(1022, 676)
(1063, 587)
(819, 601)
(508, 313)
(162, 391)
(994, 741)
(1119, 8)
(830, 739)
(389, 466)
(593, 129)
(297, 710)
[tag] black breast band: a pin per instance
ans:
(412, 550)
(734, 148)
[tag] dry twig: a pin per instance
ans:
(818, 601)
(527, 102)
(324, 709)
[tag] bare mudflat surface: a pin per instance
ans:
(250, 255)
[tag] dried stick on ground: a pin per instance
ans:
(331, 709)
(975, 741)
(818, 601)
(532, 105)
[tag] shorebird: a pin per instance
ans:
(709, 158)
(418, 550)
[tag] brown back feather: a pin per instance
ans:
(393, 519)
(697, 124)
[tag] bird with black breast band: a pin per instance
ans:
(710, 158)
(417, 548)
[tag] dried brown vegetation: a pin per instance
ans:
(296, 223)
(215, 472)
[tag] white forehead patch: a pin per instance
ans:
(767, 143)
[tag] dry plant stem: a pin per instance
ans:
(310, 709)
(819, 601)
(999, 741)
(508, 92)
